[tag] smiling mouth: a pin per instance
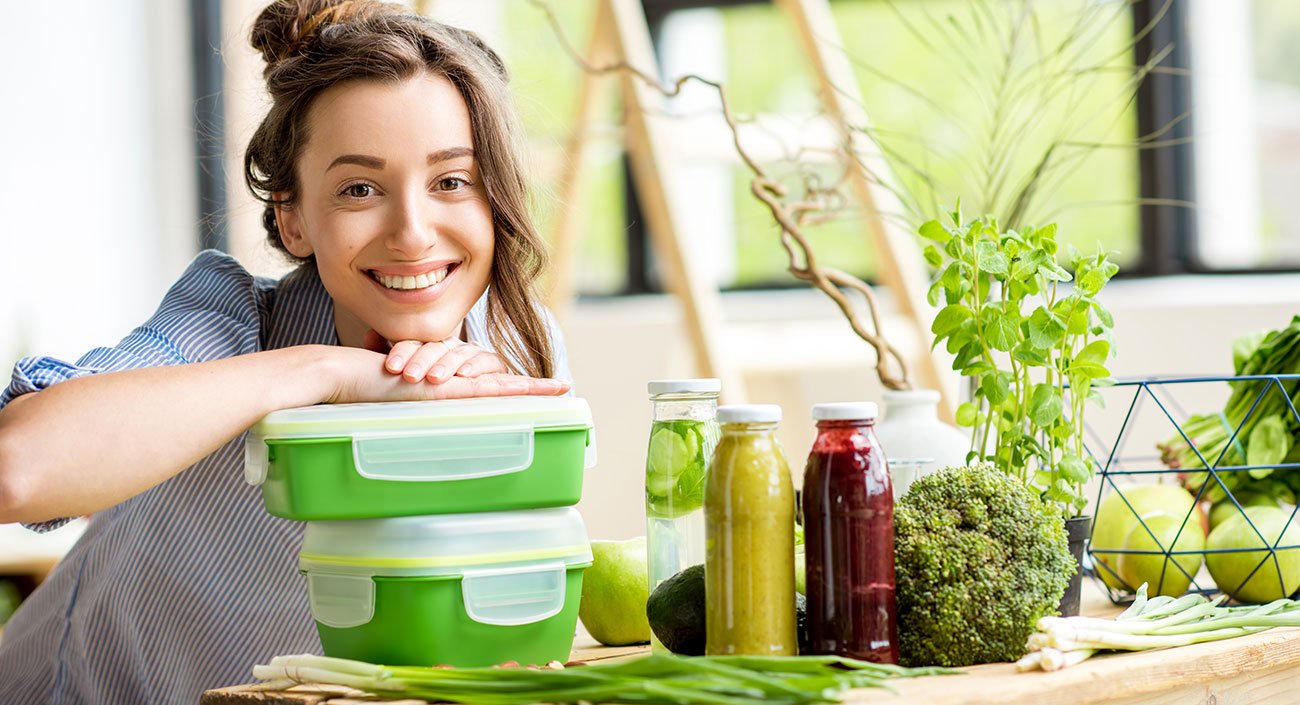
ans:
(413, 283)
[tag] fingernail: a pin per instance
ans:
(466, 368)
(395, 363)
(438, 371)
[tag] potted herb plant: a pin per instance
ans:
(1033, 340)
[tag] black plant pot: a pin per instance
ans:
(1076, 530)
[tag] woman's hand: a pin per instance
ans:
(435, 362)
(366, 376)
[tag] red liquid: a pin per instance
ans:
(848, 507)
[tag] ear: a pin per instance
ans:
(289, 223)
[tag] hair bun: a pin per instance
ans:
(285, 27)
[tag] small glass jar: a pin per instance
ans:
(848, 511)
(683, 434)
(749, 529)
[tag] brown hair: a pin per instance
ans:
(311, 45)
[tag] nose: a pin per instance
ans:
(412, 232)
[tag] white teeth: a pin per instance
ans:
(407, 283)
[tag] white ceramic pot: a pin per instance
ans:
(915, 441)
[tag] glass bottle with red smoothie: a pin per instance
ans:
(848, 509)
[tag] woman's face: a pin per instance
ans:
(392, 205)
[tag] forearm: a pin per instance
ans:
(89, 443)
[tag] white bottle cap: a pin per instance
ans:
(749, 413)
(706, 385)
(845, 411)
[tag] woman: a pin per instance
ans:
(388, 169)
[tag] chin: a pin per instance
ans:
(423, 333)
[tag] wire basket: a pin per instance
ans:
(1211, 461)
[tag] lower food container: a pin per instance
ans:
(460, 589)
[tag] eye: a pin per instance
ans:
(451, 183)
(358, 190)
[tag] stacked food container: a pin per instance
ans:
(438, 532)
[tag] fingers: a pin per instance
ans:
(499, 385)
(410, 359)
(465, 361)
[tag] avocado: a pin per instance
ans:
(676, 611)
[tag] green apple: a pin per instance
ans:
(1116, 518)
(1164, 575)
(1230, 569)
(1225, 509)
(614, 593)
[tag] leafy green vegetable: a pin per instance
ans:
(1033, 350)
(1256, 427)
(979, 558)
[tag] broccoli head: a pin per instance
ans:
(979, 558)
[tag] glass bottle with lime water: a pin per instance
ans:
(683, 435)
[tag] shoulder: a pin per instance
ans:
(214, 279)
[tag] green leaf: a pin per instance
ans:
(989, 259)
(977, 368)
(934, 230)
(1001, 329)
(1103, 315)
(1026, 353)
(1045, 405)
(1046, 329)
(1268, 444)
(932, 256)
(966, 414)
(1094, 353)
(997, 387)
(1091, 282)
(1053, 272)
(952, 277)
(1060, 492)
(1074, 470)
(932, 296)
(950, 319)
(1027, 265)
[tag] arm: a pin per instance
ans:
(92, 442)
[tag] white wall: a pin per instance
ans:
(97, 204)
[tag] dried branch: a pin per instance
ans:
(790, 216)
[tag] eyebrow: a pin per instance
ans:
(370, 162)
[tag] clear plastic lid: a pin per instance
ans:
(749, 413)
(846, 411)
(512, 566)
(704, 385)
(445, 544)
(332, 420)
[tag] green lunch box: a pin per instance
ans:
(459, 590)
(360, 461)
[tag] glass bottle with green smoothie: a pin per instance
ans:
(683, 435)
(749, 538)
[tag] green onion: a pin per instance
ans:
(1150, 624)
(656, 678)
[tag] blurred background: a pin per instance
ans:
(124, 126)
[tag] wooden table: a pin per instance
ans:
(1261, 669)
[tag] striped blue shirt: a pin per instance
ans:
(185, 586)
